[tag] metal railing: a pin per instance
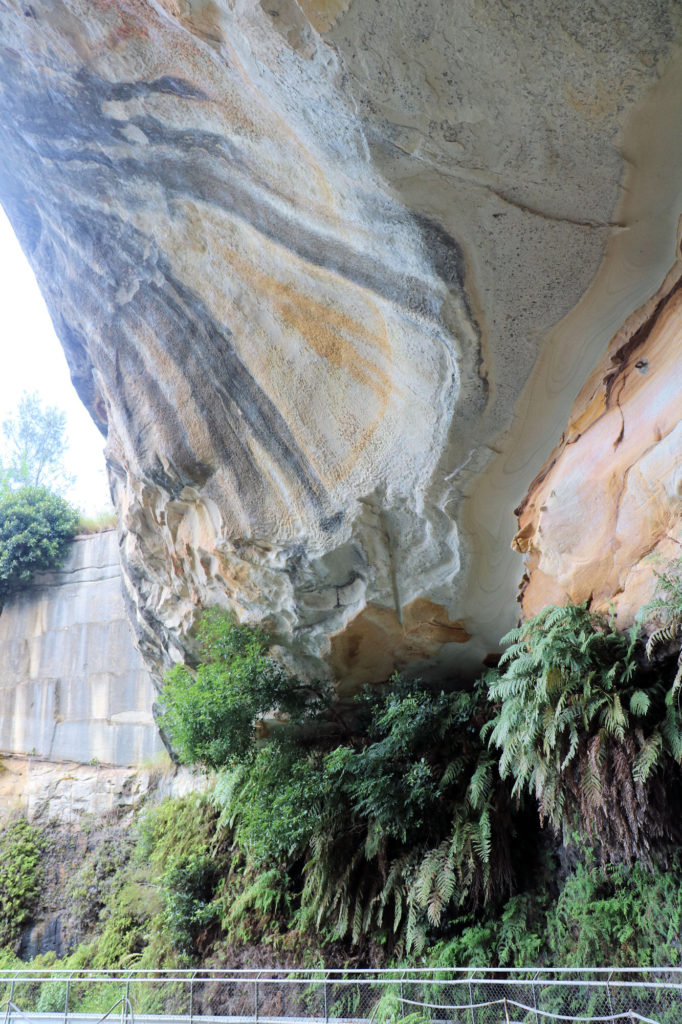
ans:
(332, 996)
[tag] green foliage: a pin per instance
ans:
(175, 829)
(404, 832)
(36, 527)
(586, 731)
(622, 915)
(20, 876)
(35, 445)
(665, 611)
(93, 887)
(210, 714)
(189, 888)
(126, 923)
(390, 833)
(180, 844)
(618, 915)
(255, 904)
(274, 805)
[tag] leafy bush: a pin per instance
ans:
(126, 922)
(389, 830)
(255, 904)
(210, 714)
(587, 731)
(176, 829)
(36, 527)
(622, 915)
(391, 834)
(20, 877)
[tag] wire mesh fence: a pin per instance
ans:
(466, 996)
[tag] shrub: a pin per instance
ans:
(210, 714)
(392, 833)
(185, 855)
(36, 527)
(189, 887)
(619, 915)
(623, 915)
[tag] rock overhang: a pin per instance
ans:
(305, 261)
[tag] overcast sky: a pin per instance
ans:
(33, 360)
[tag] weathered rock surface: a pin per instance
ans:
(72, 684)
(63, 792)
(329, 274)
(605, 513)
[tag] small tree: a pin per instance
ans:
(36, 527)
(34, 448)
(210, 714)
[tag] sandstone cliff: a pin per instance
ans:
(329, 275)
(604, 514)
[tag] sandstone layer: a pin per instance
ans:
(604, 515)
(308, 261)
(72, 684)
(64, 792)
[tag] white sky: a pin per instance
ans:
(33, 360)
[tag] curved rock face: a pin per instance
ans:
(604, 514)
(303, 258)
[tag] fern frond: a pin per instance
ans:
(639, 703)
(667, 634)
(648, 757)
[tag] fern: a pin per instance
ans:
(570, 698)
(665, 608)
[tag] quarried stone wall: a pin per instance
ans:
(72, 684)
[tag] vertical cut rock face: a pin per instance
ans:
(72, 685)
(303, 258)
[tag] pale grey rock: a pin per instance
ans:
(72, 684)
(64, 792)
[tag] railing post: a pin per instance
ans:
(255, 997)
(326, 1010)
(66, 998)
(471, 1002)
(125, 1007)
(608, 991)
(191, 996)
(535, 1000)
(11, 999)
(402, 995)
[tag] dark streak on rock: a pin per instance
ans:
(169, 85)
(332, 523)
(71, 128)
(103, 253)
(621, 356)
